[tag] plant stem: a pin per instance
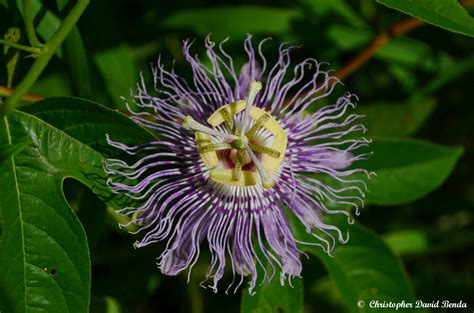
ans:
(32, 50)
(30, 28)
(48, 51)
(379, 41)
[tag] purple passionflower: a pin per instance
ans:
(236, 151)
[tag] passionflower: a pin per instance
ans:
(237, 152)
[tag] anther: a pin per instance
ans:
(214, 147)
(258, 124)
(262, 149)
(190, 124)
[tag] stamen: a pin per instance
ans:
(258, 124)
(262, 149)
(267, 180)
(214, 147)
(228, 118)
(254, 88)
(190, 124)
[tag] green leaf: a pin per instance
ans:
(88, 122)
(407, 169)
(396, 119)
(49, 22)
(44, 259)
(405, 242)
(6, 151)
(233, 21)
(53, 85)
(410, 52)
(13, 35)
(272, 297)
(76, 57)
(339, 7)
(447, 14)
(119, 73)
(449, 70)
(363, 269)
(346, 39)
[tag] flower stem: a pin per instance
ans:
(48, 51)
(30, 28)
(32, 50)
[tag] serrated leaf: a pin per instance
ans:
(44, 259)
(447, 14)
(272, 297)
(407, 169)
(233, 21)
(363, 269)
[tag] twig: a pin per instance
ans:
(30, 28)
(6, 92)
(49, 48)
(32, 50)
(379, 41)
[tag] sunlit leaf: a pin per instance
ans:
(447, 14)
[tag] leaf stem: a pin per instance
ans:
(48, 51)
(32, 50)
(29, 26)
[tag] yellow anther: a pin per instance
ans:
(227, 117)
(214, 147)
(258, 124)
(262, 149)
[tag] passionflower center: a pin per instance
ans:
(242, 141)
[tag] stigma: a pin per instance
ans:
(243, 145)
